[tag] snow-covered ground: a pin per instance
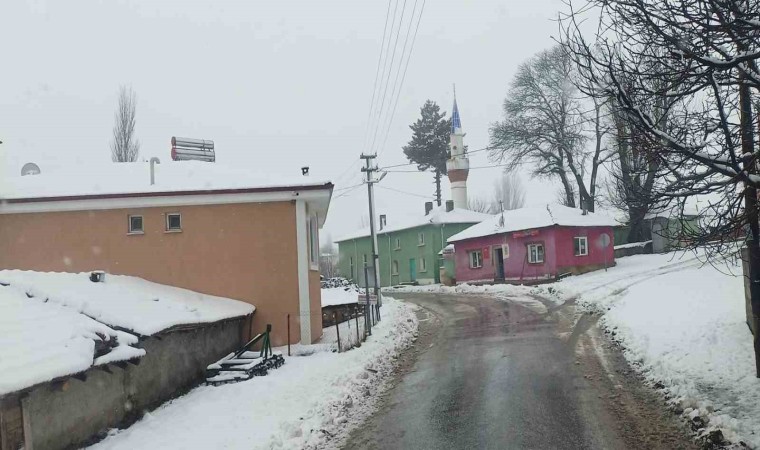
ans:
(682, 323)
(308, 402)
(51, 323)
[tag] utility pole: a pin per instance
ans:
(369, 169)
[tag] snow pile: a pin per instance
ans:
(42, 340)
(505, 289)
(534, 217)
(339, 296)
(309, 402)
(132, 178)
(633, 244)
(126, 302)
(683, 325)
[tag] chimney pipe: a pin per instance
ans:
(449, 205)
(382, 221)
(428, 207)
(305, 171)
(153, 162)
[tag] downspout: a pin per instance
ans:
(390, 262)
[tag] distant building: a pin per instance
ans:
(408, 249)
(533, 244)
(220, 231)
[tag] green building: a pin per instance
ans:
(408, 250)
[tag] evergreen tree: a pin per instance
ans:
(429, 146)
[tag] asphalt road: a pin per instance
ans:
(491, 373)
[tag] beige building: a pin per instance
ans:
(200, 226)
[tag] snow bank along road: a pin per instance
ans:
(496, 371)
(310, 402)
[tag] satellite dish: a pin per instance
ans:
(30, 169)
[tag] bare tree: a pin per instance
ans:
(124, 146)
(509, 192)
(480, 204)
(545, 125)
(700, 57)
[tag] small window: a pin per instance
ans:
(476, 259)
(580, 246)
(535, 253)
(313, 241)
(423, 265)
(351, 264)
(136, 225)
(421, 239)
(364, 259)
(398, 244)
(394, 268)
(173, 222)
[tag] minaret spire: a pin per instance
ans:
(458, 165)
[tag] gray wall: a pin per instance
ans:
(65, 415)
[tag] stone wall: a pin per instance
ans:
(72, 412)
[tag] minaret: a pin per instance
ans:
(458, 165)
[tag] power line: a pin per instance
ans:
(398, 70)
(390, 70)
(348, 191)
(349, 187)
(428, 197)
(377, 72)
(413, 164)
(471, 168)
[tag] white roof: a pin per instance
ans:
(344, 295)
(437, 216)
(134, 178)
(51, 322)
(534, 217)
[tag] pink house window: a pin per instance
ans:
(580, 246)
(476, 259)
(535, 253)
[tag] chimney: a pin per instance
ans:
(449, 205)
(305, 171)
(428, 207)
(382, 221)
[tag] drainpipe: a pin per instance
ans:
(390, 262)
(153, 162)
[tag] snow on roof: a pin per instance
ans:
(52, 323)
(534, 217)
(134, 178)
(339, 296)
(672, 212)
(125, 302)
(437, 216)
(44, 340)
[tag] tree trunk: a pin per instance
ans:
(438, 187)
(569, 197)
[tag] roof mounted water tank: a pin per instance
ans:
(188, 149)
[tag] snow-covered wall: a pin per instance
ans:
(66, 414)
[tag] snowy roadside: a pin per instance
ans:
(310, 402)
(682, 325)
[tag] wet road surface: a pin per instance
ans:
(493, 373)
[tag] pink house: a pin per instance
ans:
(534, 244)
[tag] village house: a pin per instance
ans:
(195, 225)
(533, 245)
(408, 249)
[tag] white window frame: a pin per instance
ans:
(534, 259)
(582, 245)
(422, 265)
(420, 239)
(394, 267)
(170, 229)
(398, 244)
(477, 263)
(129, 224)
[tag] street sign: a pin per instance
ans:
(362, 299)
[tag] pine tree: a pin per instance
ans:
(429, 146)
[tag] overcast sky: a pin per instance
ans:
(276, 84)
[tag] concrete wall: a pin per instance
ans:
(72, 413)
(243, 251)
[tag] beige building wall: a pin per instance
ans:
(242, 251)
